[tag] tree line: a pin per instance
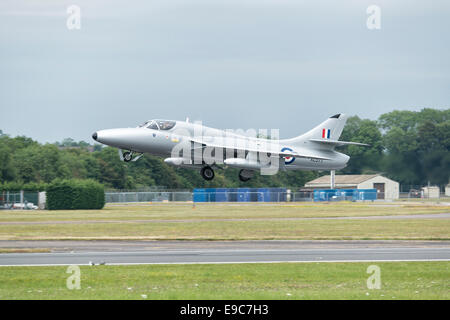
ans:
(407, 146)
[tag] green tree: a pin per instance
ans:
(362, 159)
(417, 146)
(433, 143)
(7, 169)
(112, 171)
(37, 163)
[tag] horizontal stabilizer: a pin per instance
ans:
(338, 143)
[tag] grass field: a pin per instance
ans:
(224, 211)
(227, 222)
(399, 280)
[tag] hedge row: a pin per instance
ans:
(75, 194)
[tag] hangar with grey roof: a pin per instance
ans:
(386, 188)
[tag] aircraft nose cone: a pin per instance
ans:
(94, 136)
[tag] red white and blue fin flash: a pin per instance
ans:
(326, 133)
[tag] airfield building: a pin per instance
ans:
(430, 192)
(386, 188)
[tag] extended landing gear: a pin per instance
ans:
(207, 173)
(127, 156)
(245, 175)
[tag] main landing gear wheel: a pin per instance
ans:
(242, 176)
(207, 173)
(127, 156)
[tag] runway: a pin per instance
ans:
(189, 252)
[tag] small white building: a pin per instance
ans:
(447, 190)
(430, 192)
(386, 188)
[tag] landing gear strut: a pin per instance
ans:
(245, 175)
(207, 173)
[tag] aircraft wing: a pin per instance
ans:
(254, 147)
(338, 143)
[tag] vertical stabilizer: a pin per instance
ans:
(330, 129)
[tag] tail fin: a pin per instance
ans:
(330, 129)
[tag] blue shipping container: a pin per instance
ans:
(199, 195)
(211, 195)
(232, 194)
(345, 194)
(221, 195)
(365, 194)
(324, 195)
(243, 195)
(263, 194)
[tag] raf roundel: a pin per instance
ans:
(288, 160)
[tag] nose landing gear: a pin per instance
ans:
(128, 156)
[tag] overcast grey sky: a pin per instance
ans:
(284, 64)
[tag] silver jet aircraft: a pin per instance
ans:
(192, 145)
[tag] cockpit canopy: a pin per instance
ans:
(159, 124)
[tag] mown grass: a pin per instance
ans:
(24, 250)
(242, 230)
(223, 211)
(399, 280)
(215, 222)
